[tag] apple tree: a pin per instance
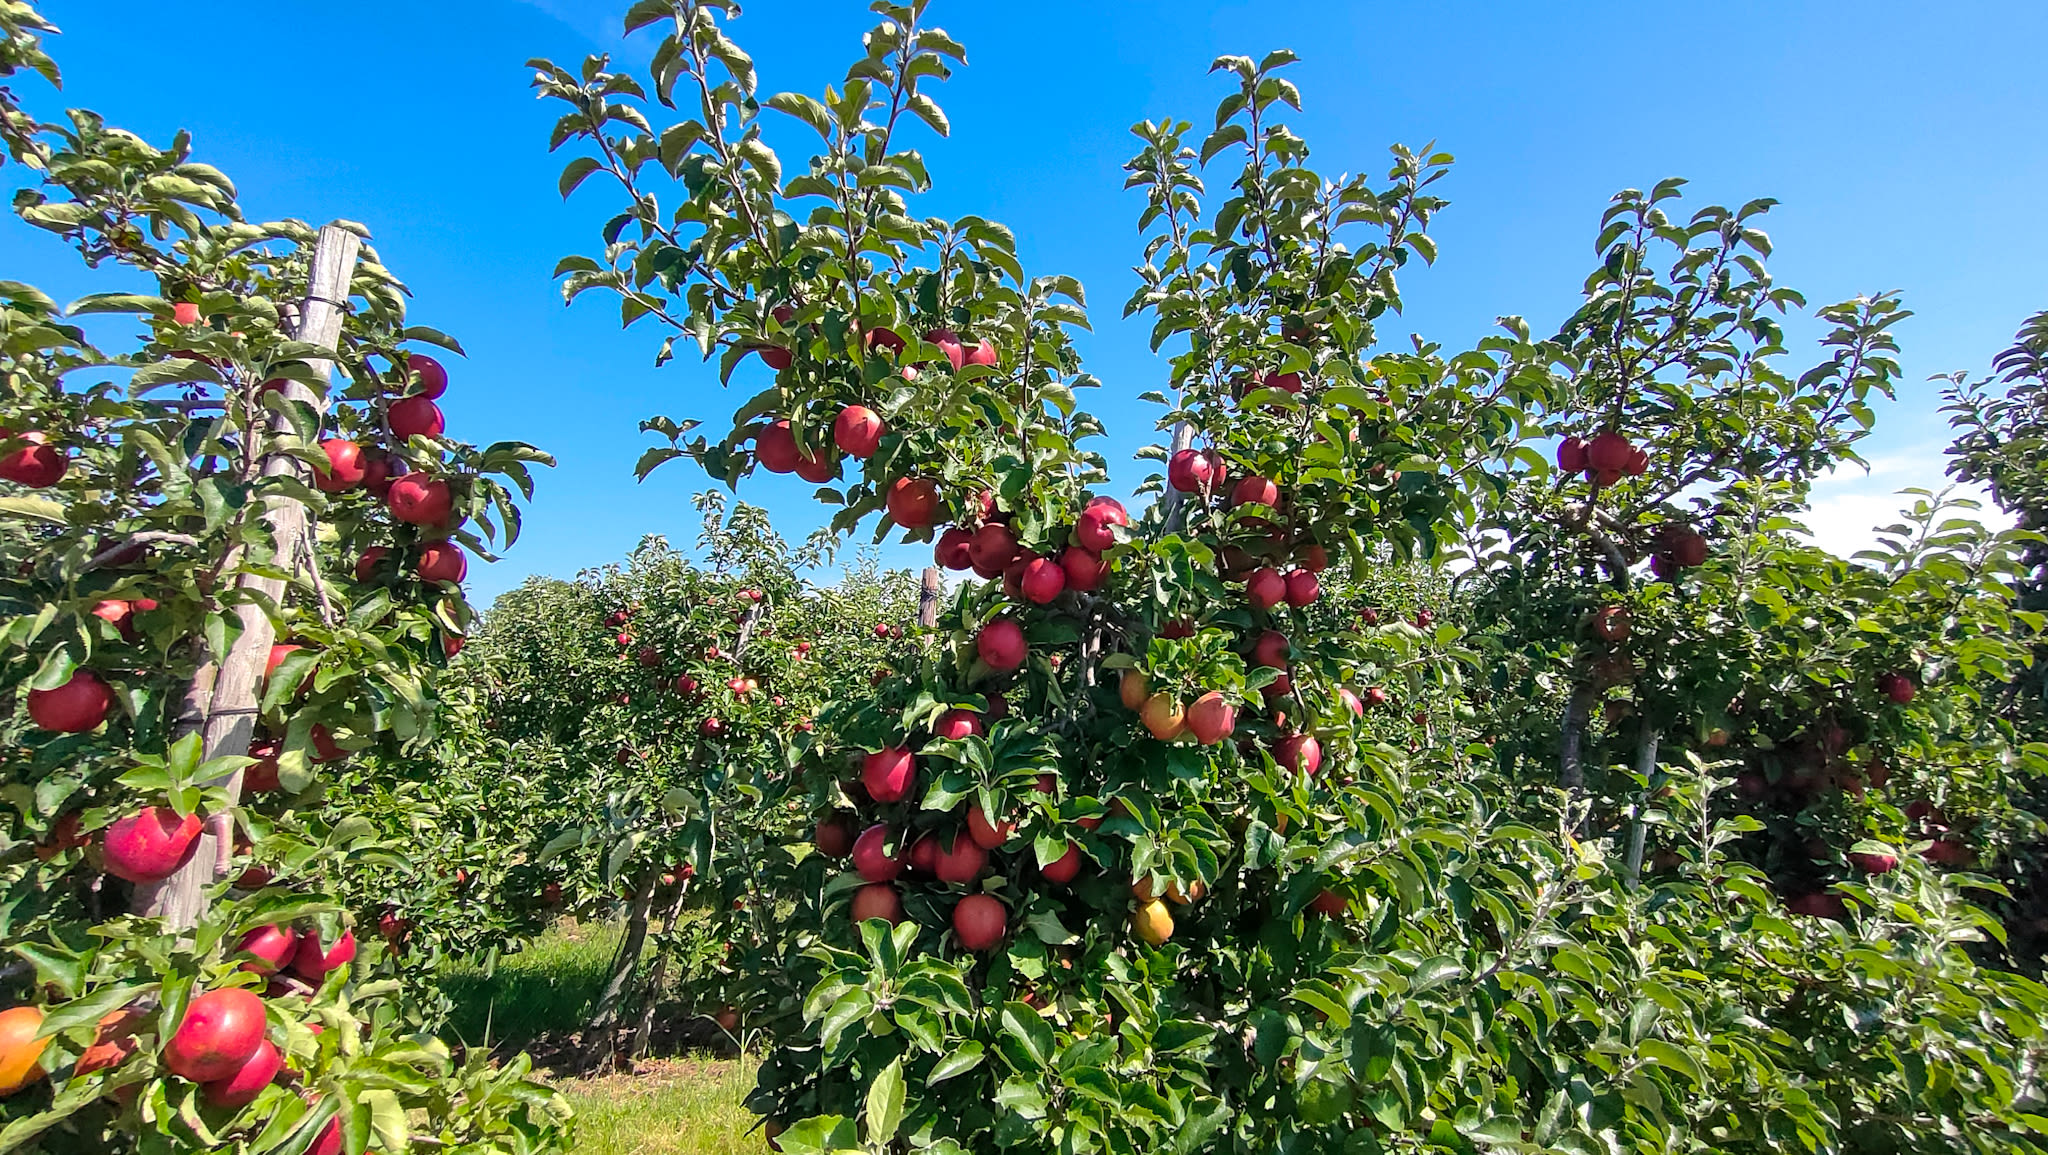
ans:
(1120, 865)
(225, 570)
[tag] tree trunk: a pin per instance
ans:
(1578, 710)
(645, 1030)
(600, 1037)
(222, 700)
(1646, 765)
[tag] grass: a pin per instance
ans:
(543, 991)
(671, 1107)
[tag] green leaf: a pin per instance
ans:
(1024, 1025)
(966, 1058)
(1665, 1055)
(885, 1103)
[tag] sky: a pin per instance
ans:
(1903, 140)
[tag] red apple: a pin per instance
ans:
(1194, 471)
(1313, 558)
(877, 900)
(978, 921)
(1254, 490)
(1872, 863)
(833, 836)
(953, 550)
(775, 447)
(889, 774)
(1000, 644)
(949, 343)
(1092, 529)
(1272, 649)
(1285, 382)
(428, 373)
(442, 561)
(1044, 579)
(1211, 719)
(1303, 588)
(185, 313)
(329, 1142)
(1265, 588)
(241, 1088)
(118, 614)
(37, 464)
(1300, 753)
(1611, 623)
(1571, 455)
(344, 466)
(1351, 701)
(1898, 687)
(312, 963)
(959, 859)
(420, 500)
(1062, 870)
(80, 704)
(871, 857)
(912, 502)
(983, 353)
(1608, 452)
(858, 431)
(366, 565)
(987, 835)
(991, 548)
(218, 1034)
(957, 724)
(1329, 904)
(416, 417)
(884, 339)
(150, 845)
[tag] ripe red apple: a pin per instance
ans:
(912, 502)
(949, 343)
(1898, 687)
(1092, 529)
(877, 900)
(1947, 852)
(272, 947)
(80, 704)
(959, 859)
(260, 777)
(1303, 588)
(992, 548)
(1376, 697)
(879, 339)
(151, 844)
(344, 466)
(1211, 718)
(776, 357)
(1194, 471)
(1285, 382)
(366, 565)
(953, 550)
(1329, 904)
(37, 464)
(1818, 906)
(983, 353)
(312, 963)
(957, 724)
(818, 467)
(1083, 568)
(185, 313)
(1063, 870)
(1178, 628)
(1163, 716)
(889, 774)
(711, 727)
(442, 561)
(1265, 588)
(1254, 490)
(978, 921)
(1000, 644)
(1300, 753)
(420, 500)
(1272, 649)
(1571, 455)
(871, 857)
(1873, 863)
(221, 1030)
(416, 417)
(1608, 452)
(428, 374)
(833, 836)
(113, 1041)
(1682, 545)
(1313, 559)
(775, 447)
(1351, 701)
(1044, 579)
(241, 1088)
(987, 835)
(118, 614)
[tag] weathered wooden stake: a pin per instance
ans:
(928, 598)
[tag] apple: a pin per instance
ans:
(272, 948)
(1272, 649)
(150, 845)
(957, 724)
(366, 565)
(960, 859)
(776, 357)
(711, 727)
(1898, 687)
(991, 548)
(1178, 628)
(1300, 753)
(1351, 701)
(949, 343)
(817, 468)
(1265, 588)
(978, 921)
(1608, 452)
(312, 963)
(1947, 852)
(1314, 560)
(1092, 529)
(873, 859)
(923, 856)
(1083, 568)
(1000, 644)
(1303, 588)
(442, 561)
(1064, 869)
(1681, 546)
(1571, 455)
(728, 1019)
(428, 374)
(220, 1031)
(988, 835)
(1279, 687)
(344, 466)
(877, 900)
(1211, 719)
(983, 353)
(80, 704)
(118, 614)
(1873, 863)
(954, 549)
(113, 1041)
(1194, 471)
(1254, 490)
(912, 502)
(1611, 623)
(241, 1088)
(775, 447)
(1133, 689)
(420, 500)
(329, 1142)
(37, 464)
(1329, 904)
(880, 339)
(1043, 580)
(889, 774)
(1163, 717)
(1285, 382)
(1152, 922)
(185, 313)
(1818, 906)
(416, 417)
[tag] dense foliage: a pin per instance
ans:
(1136, 868)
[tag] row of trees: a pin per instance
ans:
(1134, 861)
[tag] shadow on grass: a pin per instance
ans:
(543, 992)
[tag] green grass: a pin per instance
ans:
(672, 1107)
(544, 990)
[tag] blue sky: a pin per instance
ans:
(1904, 140)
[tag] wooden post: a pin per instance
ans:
(1646, 765)
(928, 598)
(229, 713)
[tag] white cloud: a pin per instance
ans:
(1849, 504)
